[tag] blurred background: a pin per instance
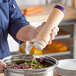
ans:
(64, 43)
(42, 2)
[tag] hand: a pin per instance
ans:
(28, 33)
(52, 34)
(2, 65)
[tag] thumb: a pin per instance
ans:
(2, 64)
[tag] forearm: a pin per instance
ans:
(25, 33)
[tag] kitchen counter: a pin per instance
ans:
(41, 17)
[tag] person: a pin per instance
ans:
(12, 21)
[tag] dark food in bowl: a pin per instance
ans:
(37, 63)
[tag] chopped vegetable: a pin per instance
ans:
(25, 63)
(19, 61)
(37, 63)
(34, 61)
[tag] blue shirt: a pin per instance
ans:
(11, 20)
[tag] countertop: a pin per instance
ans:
(41, 17)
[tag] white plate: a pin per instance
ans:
(66, 67)
(68, 64)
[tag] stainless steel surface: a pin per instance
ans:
(27, 72)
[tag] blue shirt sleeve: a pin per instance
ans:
(16, 19)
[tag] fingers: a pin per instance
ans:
(1, 68)
(43, 23)
(2, 65)
(53, 34)
(57, 28)
(50, 42)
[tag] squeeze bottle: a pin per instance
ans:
(53, 20)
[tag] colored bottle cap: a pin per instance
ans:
(60, 8)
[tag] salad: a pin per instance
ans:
(37, 63)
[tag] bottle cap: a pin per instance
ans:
(60, 8)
